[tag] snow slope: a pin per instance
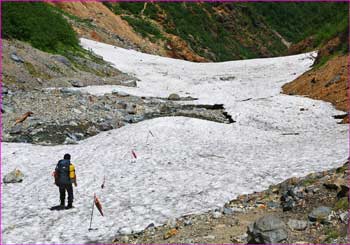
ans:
(190, 165)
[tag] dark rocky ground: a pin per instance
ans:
(311, 209)
(63, 116)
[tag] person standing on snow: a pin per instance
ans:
(64, 178)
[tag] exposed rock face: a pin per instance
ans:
(268, 229)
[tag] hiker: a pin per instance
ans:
(64, 177)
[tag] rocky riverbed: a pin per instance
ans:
(311, 209)
(64, 116)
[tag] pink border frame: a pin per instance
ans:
(348, 78)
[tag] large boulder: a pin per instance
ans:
(320, 214)
(14, 176)
(267, 229)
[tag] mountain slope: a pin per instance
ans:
(209, 31)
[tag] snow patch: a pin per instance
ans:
(188, 165)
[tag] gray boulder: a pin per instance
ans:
(267, 229)
(320, 214)
(297, 225)
(15, 176)
(16, 58)
(174, 97)
(77, 83)
(344, 217)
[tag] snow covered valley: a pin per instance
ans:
(184, 165)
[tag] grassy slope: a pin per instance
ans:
(40, 25)
(236, 30)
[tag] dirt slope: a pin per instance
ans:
(328, 83)
(100, 16)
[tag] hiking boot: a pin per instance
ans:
(60, 207)
(69, 206)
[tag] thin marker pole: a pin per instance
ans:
(92, 212)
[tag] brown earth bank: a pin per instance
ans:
(100, 17)
(306, 210)
(328, 82)
(102, 25)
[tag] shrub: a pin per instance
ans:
(38, 24)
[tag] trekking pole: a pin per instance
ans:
(92, 212)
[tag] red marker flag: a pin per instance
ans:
(98, 205)
(134, 154)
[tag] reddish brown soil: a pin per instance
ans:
(328, 83)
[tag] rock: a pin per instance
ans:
(228, 211)
(7, 109)
(272, 204)
(69, 91)
(170, 233)
(335, 184)
(77, 83)
(216, 215)
(150, 226)
(333, 81)
(70, 141)
(298, 225)
(344, 192)
(105, 126)
(319, 214)
(174, 97)
(4, 90)
(131, 83)
(164, 108)
(15, 176)
(124, 239)
(120, 93)
(62, 59)
(16, 58)
(172, 223)
(76, 111)
(344, 217)
(228, 78)
(287, 203)
(188, 222)
(209, 237)
(17, 129)
(267, 229)
(131, 108)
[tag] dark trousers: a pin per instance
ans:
(63, 189)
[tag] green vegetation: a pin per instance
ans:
(145, 28)
(196, 23)
(342, 204)
(237, 35)
(331, 235)
(296, 21)
(38, 24)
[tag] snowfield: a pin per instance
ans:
(188, 165)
